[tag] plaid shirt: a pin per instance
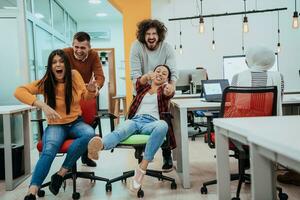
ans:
(163, 105)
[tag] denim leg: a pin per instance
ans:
(123, 131)
(157, 131)
(82, 133)
(53, 138)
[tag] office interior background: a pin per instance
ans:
(31, 29)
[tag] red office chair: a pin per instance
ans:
(243, 102)
(90, 116)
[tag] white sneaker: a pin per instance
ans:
(137, 179)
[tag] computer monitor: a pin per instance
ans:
(197, 76)
(213, 89)
(184, 80)
(236, 64)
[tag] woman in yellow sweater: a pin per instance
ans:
(63, 89)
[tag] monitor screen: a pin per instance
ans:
(236, 64)
(213, 89)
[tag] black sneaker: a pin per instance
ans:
(56, 182)
(87, 161)
(30, 197)
(168, 165)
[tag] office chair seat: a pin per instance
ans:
(135, 140)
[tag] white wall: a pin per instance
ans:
(197, 49)
(117, 42)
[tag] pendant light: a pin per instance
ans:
(245, 20)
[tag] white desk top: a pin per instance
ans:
(195, 103)
(291, 99)
(178, 96)
(279, 134)
(14, 109)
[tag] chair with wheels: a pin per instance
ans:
(138, 142)
(90, 116)
(242, 102)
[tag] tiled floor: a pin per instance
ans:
(113, 164)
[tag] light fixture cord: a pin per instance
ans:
(245, 8)
(201, 7)
(295, 5)
(243, 47)
(213, 28)
(278, 26)
(180, 33)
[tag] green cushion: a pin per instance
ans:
(136, 139)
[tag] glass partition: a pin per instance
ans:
(58, 18)
(42, 11)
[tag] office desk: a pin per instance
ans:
(179, 109)
(184, 96)
(270, 139)
(7, 112)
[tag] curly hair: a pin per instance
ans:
(146, 24)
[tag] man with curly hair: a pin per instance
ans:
(148, 51)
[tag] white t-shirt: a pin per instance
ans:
(149, 106)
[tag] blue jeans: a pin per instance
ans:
(139, 124)
(53, 137)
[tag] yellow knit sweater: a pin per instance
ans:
(27, 94)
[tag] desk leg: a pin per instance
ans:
(182, 152)
(262, 175)
(7, 152)
(223, 173)
(27, 138)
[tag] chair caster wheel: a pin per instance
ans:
(124, 180)
(76, 195)
(203, 190)
(173, 186)
(108, 187)
(283, 196)
(235, 198)
(140, 193)
(41, 193)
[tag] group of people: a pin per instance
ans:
(76, 73)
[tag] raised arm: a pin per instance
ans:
(98, 71)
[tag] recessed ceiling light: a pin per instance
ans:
(94, 1)
(101, 14)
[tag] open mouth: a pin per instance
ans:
(59, 71)
(151, 41)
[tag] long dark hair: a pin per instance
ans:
(146, 24)
(49, 82)
(168, 68)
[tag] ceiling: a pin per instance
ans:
(82, 10)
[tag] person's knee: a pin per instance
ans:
(162, 126)
(50, 149)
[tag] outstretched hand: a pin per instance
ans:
(150, 76)
(168, 89)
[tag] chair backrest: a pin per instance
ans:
(89, 110)
(249, 101)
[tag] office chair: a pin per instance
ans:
(90, 116)
(243, 102)
(201, 125)
(138, 142)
